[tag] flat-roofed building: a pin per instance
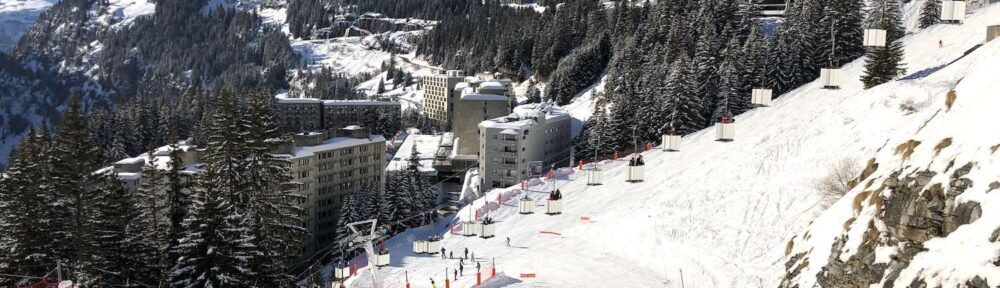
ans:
(532, 133)
(479, 101)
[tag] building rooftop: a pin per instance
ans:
(335, 143)
(525, 116)
(283, 98)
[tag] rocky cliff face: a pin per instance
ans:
(924, 213)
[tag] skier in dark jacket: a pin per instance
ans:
(466, 253)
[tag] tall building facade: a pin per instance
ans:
(532, 133)
(439, 96)
(310, 114)
(478, 101)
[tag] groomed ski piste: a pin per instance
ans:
(715, 214)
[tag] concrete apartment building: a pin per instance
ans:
(534, 132)
(478, 101)
(439, 92)
(327, 166)
(311, 114)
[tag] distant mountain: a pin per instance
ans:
(16, 17)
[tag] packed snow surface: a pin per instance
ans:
(715, 214)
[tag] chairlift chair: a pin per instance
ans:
(553, 207)
(635, 173)
(761, 97)
(526, 205)
(875, 38)
(382, 259)
(419, 246)
(725, 130)
(470, 228)
(433, 246)
(671, 142)
(952, 11)
(487, 230)
(594, 176)
(831, 78)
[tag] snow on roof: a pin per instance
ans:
(426, 147)
(133, 160)
(492, 85)
(508, 132)
(336, 143)
(483, 97)
(525, 116)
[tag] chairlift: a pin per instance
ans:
(434, 246)
(635, 172)
(382, 258)
(341, 272)
(952, 11)
(671, 142)
(420, 246)
(553, 207)
(526, 205)
(487, 230)
(469, 228)
(594, 176)
(875, 38)
(831, 78)
(725, 130)
(761, 97)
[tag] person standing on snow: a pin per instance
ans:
(477, 267)
(442, 252)
(466, 253)
(432, 283)
(508, 241)
(461, 270)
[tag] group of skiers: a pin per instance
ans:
(636, 161)
(555, 195)
(487, 220)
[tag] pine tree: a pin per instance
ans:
(125, 254)
(217, 248)
(930, 13)
(72, 160)
(685, 104)
(885, 63)
(729, 101)
(150, 214)
(177, 196)
(24, 207)
(273, 204)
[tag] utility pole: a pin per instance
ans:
(59, 271)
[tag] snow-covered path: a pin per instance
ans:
(720, 213)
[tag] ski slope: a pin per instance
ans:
(714, 214)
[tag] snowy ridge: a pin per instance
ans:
(715, 214)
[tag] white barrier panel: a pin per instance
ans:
(382, 260)
(635, 173)
(593, 177)
(761, 97)
(671, 142)
(526, 206)
(553, 207)
(469, 228)
(341, 272)
(420, 246)
(725, 131)
(433, 247)
(952, 10)
(875, 38)
(830, 78)
(488, 230)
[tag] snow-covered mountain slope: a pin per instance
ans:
(715, 214)
(925, 210)
(16, 17)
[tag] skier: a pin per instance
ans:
(461, 270)
(940, 43)
(473, 258)
(508, 241)
(432, 283)
(477, 267)
(639, 161)
(466, 253)
(631, 161)
(442, 252)
(456, 274)
(451, 255)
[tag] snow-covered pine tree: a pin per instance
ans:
(151, 212)
(930, 13)
(273, 204)
(685, 116)
(884, 64)
(707, 59)
(225, 151)
(127, 253)
(729, 100)
(23, 210)
(178, 197)
(72, 160)
(217, 247)
(846, 18)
